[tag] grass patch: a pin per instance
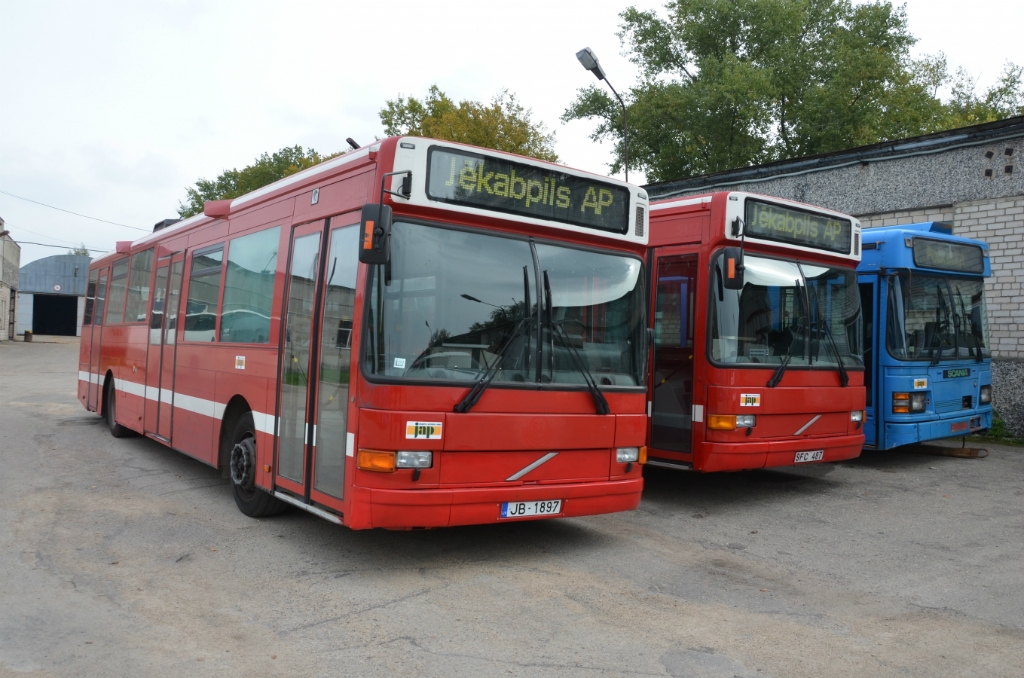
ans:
(999, 433)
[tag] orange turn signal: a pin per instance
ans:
(642, 457)
(722, 422)
(378, 461)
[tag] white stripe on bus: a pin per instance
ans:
(264, 423)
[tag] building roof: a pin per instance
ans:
(886, 150)
(69, 271)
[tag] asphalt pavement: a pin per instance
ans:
(124, 558)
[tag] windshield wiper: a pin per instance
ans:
(777, 377)
(844, 378)
(941, 308)
(600, 403)
(473, 397)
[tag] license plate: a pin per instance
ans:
(959, 426)
(518, 509)
(813, 455)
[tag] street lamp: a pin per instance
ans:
(589, 60)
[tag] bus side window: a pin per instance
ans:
(118, 286)
(90, 296)
(249, 287)
(203, 295)
(138, 287)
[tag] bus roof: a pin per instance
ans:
(389, 149)
(893, 247)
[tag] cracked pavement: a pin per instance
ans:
(124, 558)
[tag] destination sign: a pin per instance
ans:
(948, 256)
(797, 227)
(486, 182)
(957, 373)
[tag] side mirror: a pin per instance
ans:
(376, 229)
(733, 264)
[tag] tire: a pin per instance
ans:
(250, 499)
(110, 408)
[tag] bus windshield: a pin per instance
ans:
(452, 301)
(807, 312)
(937, 316)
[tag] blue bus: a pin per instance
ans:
(927, 350)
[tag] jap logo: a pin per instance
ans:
(750, 400)
(423, 430)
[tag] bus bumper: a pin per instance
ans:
(373, 507)
(935, 429)
(746, 456)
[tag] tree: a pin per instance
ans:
(1004, 99)
(235, 182)
(503, 125)
(81, 250)
(729, 83)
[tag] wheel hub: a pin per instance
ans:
(243, 463)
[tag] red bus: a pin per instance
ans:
(757, 334)
(414, 334)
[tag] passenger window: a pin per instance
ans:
(90, 297)
(115, 298)
(203, 295)
(138, 287)
(249, 287)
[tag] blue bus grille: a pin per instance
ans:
(949, 405)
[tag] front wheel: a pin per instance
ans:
(116, 429)
(250, 499)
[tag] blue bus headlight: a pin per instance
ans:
(985, 397)
(917, 402)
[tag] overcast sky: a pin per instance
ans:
(110, 109)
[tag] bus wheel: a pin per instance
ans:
(116, 429)
(251, 500)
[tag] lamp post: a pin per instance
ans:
(589, 60)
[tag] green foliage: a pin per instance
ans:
(999, 432)
(729, 83)
(1004, 99)
(503, 124)
(81, 250)
(235, 182)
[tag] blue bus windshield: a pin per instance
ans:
(937, 317)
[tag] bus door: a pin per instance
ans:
(160, 359)
(671, 420)
(316, 358)
(95, 378)
(869, 304)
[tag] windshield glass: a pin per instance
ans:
(452, 300)
(933, 316)
(784, 308)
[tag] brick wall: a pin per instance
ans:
(1000, 223)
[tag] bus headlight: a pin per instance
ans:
(857, 416)
(746, 420)
(985, 397)
(917, 402)
(414, 459)
(624, 455)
